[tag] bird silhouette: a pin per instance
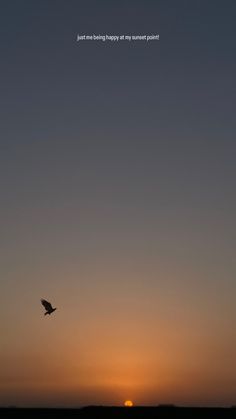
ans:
(48, 307)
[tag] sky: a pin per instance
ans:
(117, 179)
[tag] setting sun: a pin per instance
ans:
(128, 403)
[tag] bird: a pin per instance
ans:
(48, 307)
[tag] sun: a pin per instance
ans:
(128, 403)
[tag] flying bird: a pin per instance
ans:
(48, 307)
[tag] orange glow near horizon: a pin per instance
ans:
(128, 403)
(171, 366)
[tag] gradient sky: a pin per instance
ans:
(117, 171)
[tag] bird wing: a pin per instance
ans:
(46, 305)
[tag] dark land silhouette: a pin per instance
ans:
(97, 412)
